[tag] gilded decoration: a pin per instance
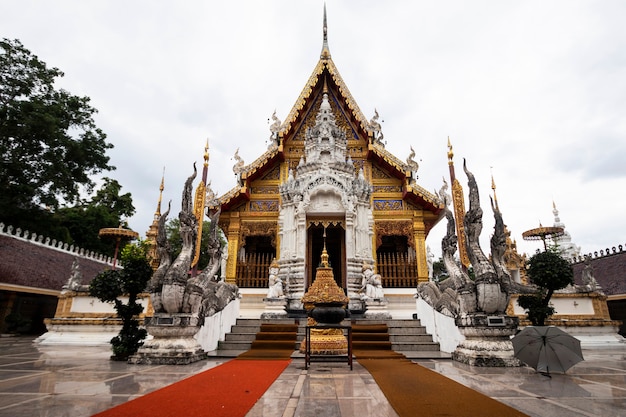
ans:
(359, 164)
(324, 63)
(293, 164)
(389, 158)
(264, 205)
(379, 174)
(387, 189)
(387, 205)
(264, 189)
(340, 121)
(223, 223)
(273, 174)
(356, 151)
(459, 214)
(326, 223)
(411, 206)
(425, 194)
(394, 228)
(258, 229)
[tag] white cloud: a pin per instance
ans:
(533, 89)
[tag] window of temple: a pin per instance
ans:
(254, 260)
(396, 262)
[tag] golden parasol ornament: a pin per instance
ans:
(119, 234)
(542, 233)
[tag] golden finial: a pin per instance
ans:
(324, 262)
(493, 187)
(324, 258)
(450, 152)
(161, 188)
(325, 49)
(206, 153)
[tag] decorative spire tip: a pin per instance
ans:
(325, 49)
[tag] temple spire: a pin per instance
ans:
(157, 214)
(153, 230)
(325, 50)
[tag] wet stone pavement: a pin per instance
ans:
(81, 381)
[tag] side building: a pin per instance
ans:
(33, 272)
(608, 268)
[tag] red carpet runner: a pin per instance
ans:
(228, 390)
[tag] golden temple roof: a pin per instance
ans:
(315, 82)
(323, 63)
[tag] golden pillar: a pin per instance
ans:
(233, 247)
(419, 234)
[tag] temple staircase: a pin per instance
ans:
(406, 336)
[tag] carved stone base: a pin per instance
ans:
(487, 340)
(376, 308)
(274, 308)
(173, 341)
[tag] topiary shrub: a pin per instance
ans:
(109, 286)
(549, 272)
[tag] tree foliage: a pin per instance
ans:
(81, 223)
(172, 230)
(110, 285)
(549, 272)
(440, 272)
(49, 143)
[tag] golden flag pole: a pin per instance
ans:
(458, 202)
(198, 209)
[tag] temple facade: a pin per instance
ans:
(327, 179)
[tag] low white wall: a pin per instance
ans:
(87, 304)
(78, 334)
(440, 326)
(216, 326)
(576, 305)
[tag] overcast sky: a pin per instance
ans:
(531, 91)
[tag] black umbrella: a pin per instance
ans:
(547, 349)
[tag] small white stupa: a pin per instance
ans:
(568, 249)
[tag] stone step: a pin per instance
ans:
(239, 337)
(245, 329)
(248, 322)
(236, 345)
(405, 335)
(404, 323)
(409, 338)
(426, 346)
(409, 331)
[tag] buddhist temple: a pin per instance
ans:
(327, 172)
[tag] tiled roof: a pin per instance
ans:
(608, 270)
(31, 264)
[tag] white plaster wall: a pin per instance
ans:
(440, 326)
(216, 326)
(79, 335)
(577, 305)
(86, 304)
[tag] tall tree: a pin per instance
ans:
(49, 143)
(81, 223)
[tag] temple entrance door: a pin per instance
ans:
(335, 238)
